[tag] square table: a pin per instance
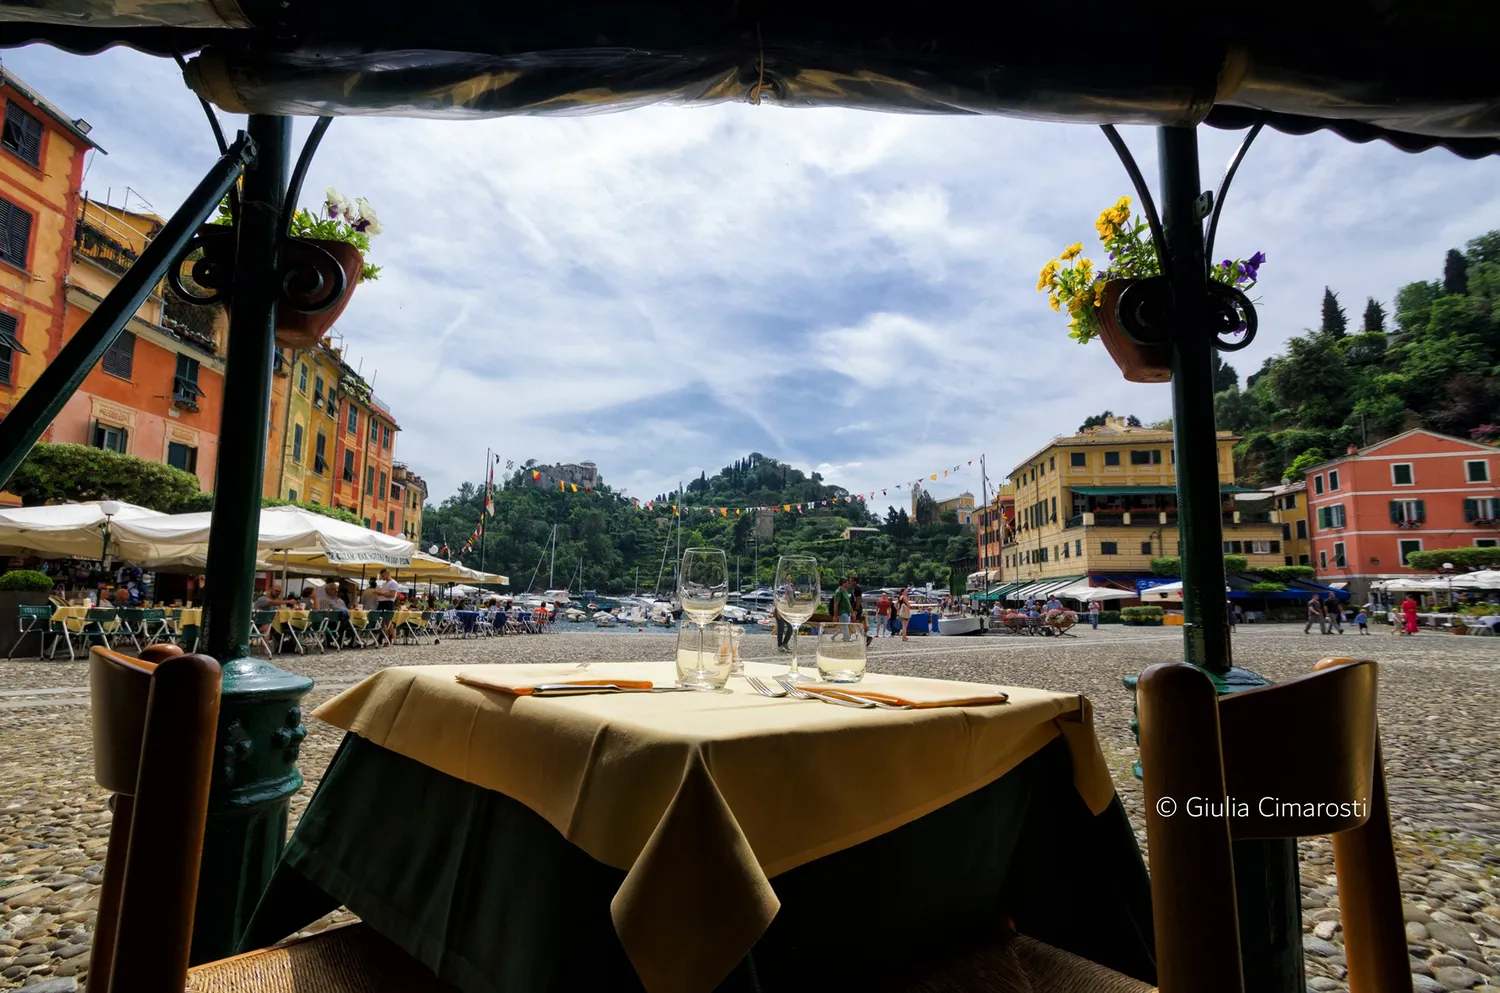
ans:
(687, 842)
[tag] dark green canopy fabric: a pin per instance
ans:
(1416, 73)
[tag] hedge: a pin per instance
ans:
(26, 581)
(1142, 615)
(1465, 559)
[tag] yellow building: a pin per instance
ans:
(304, 411)
(1289, 503)
(1104, 503)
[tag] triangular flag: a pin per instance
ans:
(971, 462)
(882, 492)
(575, 487)
(934, 475)
(675, 511)
(736, 512)
(535, 475)
(945, 474)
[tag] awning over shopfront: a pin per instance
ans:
(1081, 590)
(1043, 587)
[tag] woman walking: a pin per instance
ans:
(1409, 613)
(903, 611)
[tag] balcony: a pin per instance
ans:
(100, 248)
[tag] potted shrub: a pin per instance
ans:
(20, 587)
(1142, 615)
(342, 230)
(1092, 296)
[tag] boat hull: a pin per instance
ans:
(950, 626)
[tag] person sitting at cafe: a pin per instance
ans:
(369, 597)
(271, 599)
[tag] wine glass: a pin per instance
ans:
(703, 586)
(797, 594)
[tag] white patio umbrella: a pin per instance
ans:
(73, 529)
(1086, 593)
(1484, 579)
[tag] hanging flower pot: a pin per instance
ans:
(320, 278)
(1139, 363)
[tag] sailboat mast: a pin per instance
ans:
(984, 515)
(552, 566)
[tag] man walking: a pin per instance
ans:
(857, 601)
(1094, 614)
(883, 611)
(842, 607)
(1315, 615)
(783, 626)
(1335, 612)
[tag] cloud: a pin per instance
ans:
(665, 290)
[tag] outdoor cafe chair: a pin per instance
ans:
(154, 625)
(287, 630)
(315, 630)
(154, 724)
(1311, 742)
(131, 626)
(37, 620)
(101, 625)
(261, 622)
(366, 629)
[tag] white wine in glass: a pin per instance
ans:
(797, 594)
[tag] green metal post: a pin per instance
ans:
(260, 722)
(1266, 878)
(31, 415)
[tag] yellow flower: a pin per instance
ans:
(1099, 293)
(1085, 267)
(1052, 300)
(1048, 271)
(1123, 204)
(1072, 251)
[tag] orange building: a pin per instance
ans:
(994, 521)
(42, 154)
(1416, 491)
(158, 392)
(364, 456)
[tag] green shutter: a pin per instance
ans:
(1395, 511)
(1471, 509)
(1421, 511)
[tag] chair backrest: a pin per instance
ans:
(155, 718)
(153, 614)
(262, 616)
(102, 614)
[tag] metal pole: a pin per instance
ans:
(483, 510)
(1267, 881)
(260, 722)
(31, 415)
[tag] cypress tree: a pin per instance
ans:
(1335, 322)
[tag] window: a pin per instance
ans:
(291, 495)
(1043, 553)
(23, 134)
(1286, 533)
(1401, 474)
(9, 343)
(391, 521)
(1317, 484)
(1409, 545)
(1302, 528)
(1150, 456)
(395, 492)
(1333, 480)
(1408, 512)
(374, 431)
(1233, 548)
(1339, 562)
(382, 482)
(367, 522)
(278, 362)
(1477, 471)
(111, 438)
(318, 392)
(353, 419)
(380, 526)
(1111, 458)
(1065, 549)
(119, 358)
(302, 378)
(180, 456)
(386, 441)
(185, 383)
(320, 454)
(1275, 548)
(1078, 460)
(1486, 542)
(1291, 501)
(1322, 560)
(1078, 546)
(1302, 560)
(1145, 548)
(296, 443)
(1054, 510)
(1109, 547)
(1331, 517)
(348, 465)
(1481, 509)
(15, 234)
(1052, 463)
(369, 480)
(1288, 560)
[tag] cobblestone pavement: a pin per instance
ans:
(1440, 696)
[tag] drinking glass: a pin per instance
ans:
(702, 586)
(797, 594)
(703, 663)
(841, 652)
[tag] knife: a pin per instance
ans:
(574, 689)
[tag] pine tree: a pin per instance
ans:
(1455, 273)
(1335, 322)
(1374, 317)
(1225, 376)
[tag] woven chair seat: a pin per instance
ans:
(1011, 963)
(350, 959)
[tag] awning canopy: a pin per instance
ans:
(1414, 73)
(1146, 490)
(1042, 587)
(289, 536)
(71, 529)
(1082, 591)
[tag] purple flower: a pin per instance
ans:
(361, 224)
(1258, 259)
(1226, 264)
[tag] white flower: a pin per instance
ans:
(371, 225)
(335, 203)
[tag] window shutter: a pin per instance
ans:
(31, 139)
(1395, 511)
(15, 226)
(1471, 509)
(1421, 510)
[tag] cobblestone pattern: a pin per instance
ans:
(1439, 699)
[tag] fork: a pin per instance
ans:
(763, 689)
(798, 693)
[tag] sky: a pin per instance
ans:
(665, 290)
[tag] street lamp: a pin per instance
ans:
(1448, 569)
(109, 508)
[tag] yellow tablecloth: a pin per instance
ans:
(408, 616)
(189, 617)
(703, 797)
(297, 618)
(72, 617)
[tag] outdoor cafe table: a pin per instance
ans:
(688, 842)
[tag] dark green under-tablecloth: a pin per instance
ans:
(494, 900)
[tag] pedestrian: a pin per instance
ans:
(857, 600)
(1315, 615)
(1229, 611)
(1409, 613)
(1239, 614)
(883, 615)
(1335, 611)
(842, 606)
(903, 611)
(1094, 614)
(389, 588)
(783, 626)
(1362, 621)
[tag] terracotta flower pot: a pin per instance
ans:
(1139, 363)
(295, 329)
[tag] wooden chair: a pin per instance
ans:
(154, 724)
(1311, 740)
